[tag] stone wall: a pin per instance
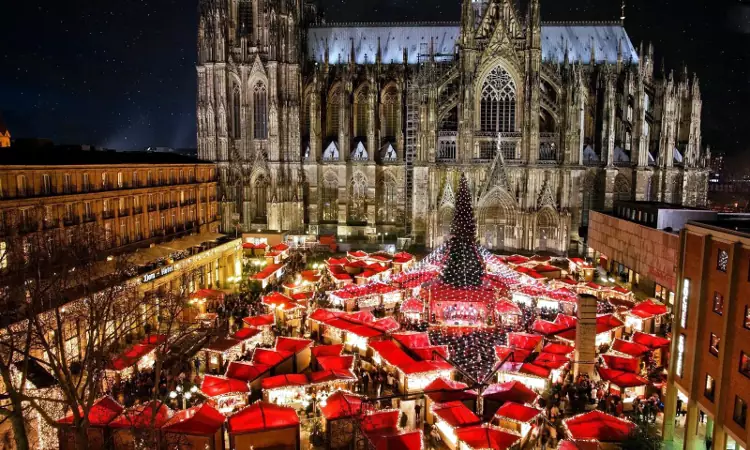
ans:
(651, 253)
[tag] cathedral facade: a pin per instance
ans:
(365, 128)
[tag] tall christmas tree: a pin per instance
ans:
(463, 265)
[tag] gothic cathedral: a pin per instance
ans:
(364, 128)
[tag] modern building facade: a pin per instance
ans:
(710, 367)
(363, 128)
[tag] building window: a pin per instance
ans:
(3, 255)
(46, 184)
(684, 302)
(681, 356)
(746, 323)
(332, 116)
(236, 122)
(718, 303)
(739, 415)
(390, 112)
(709, 388)
(361, 112)
(722, 260)
(119, 179)
(261, 199)
(329, 199)
(498, 102)
(260, 111)
(713, 344)
(21, 185)
(745, 364)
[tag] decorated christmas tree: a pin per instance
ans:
(463, 264)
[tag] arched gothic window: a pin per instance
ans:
(332, 116)
(358, 196)
(622, 188)
(236, 117)
(306, 116)
(498, 102)
(390, 112)
(361, 112)
(389, 200)
(260, 111)
(330, 198)
(260, 196)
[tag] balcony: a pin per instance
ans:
(173, 204)
(50, 224)
(164, 205)
(152, 208)
(138, 210)
(488, 143)
(123, 212)
(70, 221)
(89, 218)
(186, 202)
(447, 147)
(108, 215)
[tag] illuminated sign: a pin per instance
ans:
(684, 302)
(166, 270)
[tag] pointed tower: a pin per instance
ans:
(463, 265)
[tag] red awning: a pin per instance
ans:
(514, 355)
(650, 340)
(214, 386)
(262, 416)
(102, 412)
(327, 350)
(598, 426)
(392, 354)
(340, 405)
(269, 357)
(506, 307)
(246, 371)
(525, 341)
(397, 440)
(648, 309)
(484, 437)
(429, 353)
(412, 305)
(153, 414)
(131, 356)
(203, 420)
(629, 348)
(280, 381)
(551, 360)
(621, 378)
(381, 420)
(517, 412)
(443, 391)
(292, 345)
(412, 339)
(386, 324)
(259, 321)
(511, 391)
(344, 362)
(525, 369)
(558, 349)
(245, 333)
(325, 315)
(622, 363)
(547, 328)
(456, 414)
(207, 293)
(327, 376)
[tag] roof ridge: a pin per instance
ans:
(578, 23)
(384, 24)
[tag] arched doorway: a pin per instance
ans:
(497, 220)
(547, 229)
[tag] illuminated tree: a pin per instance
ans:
(463, 265)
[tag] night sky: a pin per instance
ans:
(121, 73)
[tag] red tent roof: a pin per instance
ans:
(515, 355)
(484, 437)
(259, 321)
(152, 414)
(214, 385)
(429, 353)
(280, 247)
(412, 339)
(131, 356)
(207, 293)
(246, 371)
(292, 345)
(327, 350)
(621, 378)
(341, 404)
(551, 360)
(525, 341)
(279, 381)
(517, 412)
(511, 391)
(344, 362)
(441, 391)
(245, 333)
(324, 315)
(326, 376)
(648, 309)
(598, 426)
(507, 307)
(525, 369)
(456, 414)
(398, 440)
(277, 298)
(412, 305)
(547, 328)
(269, 357)
(580, 445)
(361, 316)
(357, 254)
(262, 416)
(650, 340)
(622, 363)
(391, 353)
(102, 412)
(203, 420)
(558, 349)
(386, 324)
(380, 420)
(426, 366)
(629, 348)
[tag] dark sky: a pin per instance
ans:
(121, 73)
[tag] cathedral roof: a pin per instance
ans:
(416, 38)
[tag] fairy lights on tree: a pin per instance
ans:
(463, 265)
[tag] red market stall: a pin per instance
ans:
(558, 349)
(199, 427)
(509, 354)
(383, 433)
(264, 426)
(627, 364)
(286, 390)
(450, 416)
(340, 412)
(251, 373)
(658, 345)
(345, 362)
(525, 341)
(536, 377)
(412, 375)
(598, 426)
(627, 385)
(228, 393)
(481, 437)
(299, 347)
(443, 390)
(513, 391)
(516, 418)
(137, 357)
(629, 348)
(645, 316)
(141, 422)
(101, 413)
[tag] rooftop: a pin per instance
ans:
(60, 156)
(739, 225)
